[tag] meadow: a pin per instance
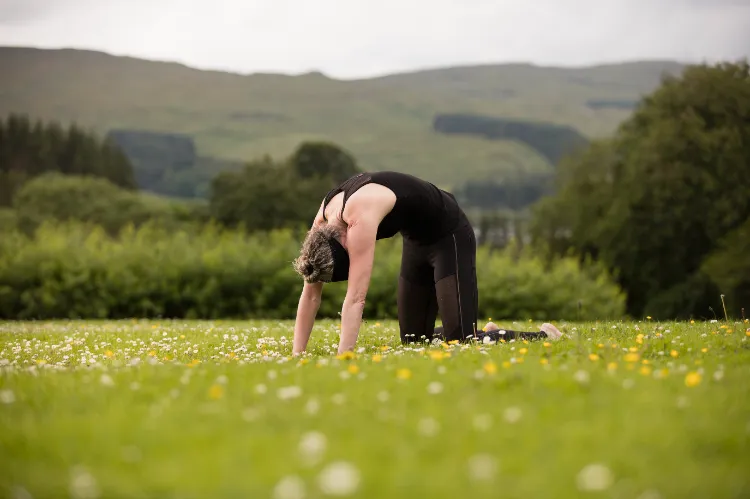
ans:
(192, 409)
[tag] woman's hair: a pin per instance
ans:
(315, 261)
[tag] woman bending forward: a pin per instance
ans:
(438, 263)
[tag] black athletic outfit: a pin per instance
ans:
(438, 264)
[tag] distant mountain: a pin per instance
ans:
(386, 122)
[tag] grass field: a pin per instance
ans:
(219, 409)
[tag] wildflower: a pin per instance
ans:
(490, 368)
(581, 377)
(692, 379)
(639, 339)
(645, 370)
(632, 357)
(339, 478)
(547, 344)
(312, 446)
(512, 414)
(289, 392)
(109, 354)
(704, 350)
(216, 392)
(674, 353)
(353, 368)
(289, 487)
(83, 484)
(7, 397)
(435, 388)
(543, 361)
(428, 427)
(377, 358)
(482, 467)
(593, 357)
(595, 477)
(346, 355)
(506, 364)
(648, 317)
(385, 348)
(612, 366)
(523, 351)
(438, 355)
(403, 373)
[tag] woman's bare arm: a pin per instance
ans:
(307, 309)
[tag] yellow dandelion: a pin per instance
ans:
(302, 362)
(523, 351)
(613, 345)
(612, 366)
(182, 336)
(664, 372)
(548, 344)
(519, 360)
(645, 361)
(377, 324)
(648, 317)
(692, 379)
(216, 392)
(632, 357)
(353, 368)
(41, 362)
(377, 357)
(600, 345)
(645, 370)
(692, 322)
(632, 349)
(167, 357)
(490, 368)
(453, 342)
(543, 361)
(506, 364)
(723, 326)
(729, 331)
(593, 357)
(346, 355)
(193, 363)
(385, 348)
(152, 353)
(674, 353)
(437, 354)
(747, 333)
(403, 373)
(109, 354)
(639, 339)
(704, 349)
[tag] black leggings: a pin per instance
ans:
(442, 276)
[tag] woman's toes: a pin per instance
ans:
(491, 326)
(551, 331)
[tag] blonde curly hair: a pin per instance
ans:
(315, 262)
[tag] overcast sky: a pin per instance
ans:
(357, 38)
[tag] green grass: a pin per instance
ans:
(385, 122)
(203, 413)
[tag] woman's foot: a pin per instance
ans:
(491, 326)
(551, 331)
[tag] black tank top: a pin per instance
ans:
(422, 211)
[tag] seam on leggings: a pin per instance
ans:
(458, 288)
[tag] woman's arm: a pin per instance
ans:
(360, 238)
(307, 309)
(309, 303)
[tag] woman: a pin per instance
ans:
(438, 265)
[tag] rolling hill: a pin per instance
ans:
(385, 122)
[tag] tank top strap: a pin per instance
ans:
(348, 187)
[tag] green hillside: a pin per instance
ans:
(385, 122)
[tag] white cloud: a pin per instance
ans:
(365, 37)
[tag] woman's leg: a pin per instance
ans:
(417, 303)
(454, 263)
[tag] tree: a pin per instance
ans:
(653, 201)
(30, 149)
(323, 159)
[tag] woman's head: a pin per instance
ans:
(322, 257)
